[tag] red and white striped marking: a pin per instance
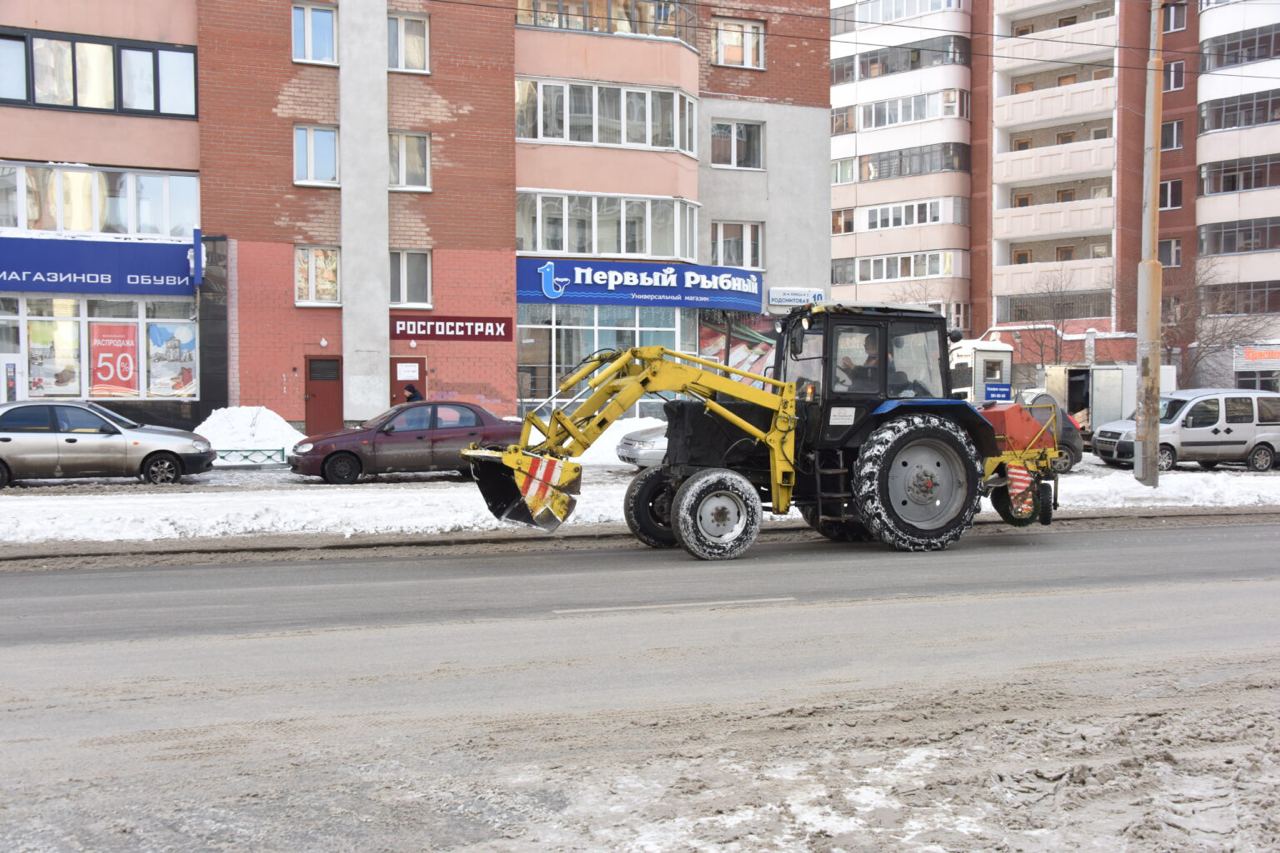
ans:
(544, 472)
(1019, 479)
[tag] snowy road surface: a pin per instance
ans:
(1041, 691)
(247, 503)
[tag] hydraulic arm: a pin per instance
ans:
(534, 482)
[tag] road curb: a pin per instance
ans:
(264, 544)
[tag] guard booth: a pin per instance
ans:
(981, 370)
(1099, 393)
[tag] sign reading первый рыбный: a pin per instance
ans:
(586, 281)
(51, 265)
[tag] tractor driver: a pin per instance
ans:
(861, 378)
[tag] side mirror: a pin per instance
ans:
(107, 429)
(959, 395)
(796, 343)
(955, 336)
(389, 428)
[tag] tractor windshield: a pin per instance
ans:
(915, 360)
(805, 369)
(859, 353)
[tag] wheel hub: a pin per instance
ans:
(926, 483)
(722, 516)
(922, 486)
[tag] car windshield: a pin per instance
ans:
(1170, 407)
(379, 418)
(118, 420)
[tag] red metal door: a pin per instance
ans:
(323, 395)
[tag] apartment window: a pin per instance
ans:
(1169, 252)
(944, 50)
(913, 108)
(1067, 79)
(737, 244)
(1241, 48)
(605, 225)
(1066, 137)
(1174, 17)
(98, 201)
(1067, 21)
(1170, 195)
(408, 42)
(916, 265)
(553, 111)
(1020, 30)
(844, 69)
(1099, 250)
(1102, 73)
(1245, 297)
(844, 270)
(739, 43)
(1100, 133)
(1022, 256)
(737, 144)
(315, 34)
(922, 160)
(870, 12)
(315, 275)
(842, 221)
(844, 170)
(915, 213)
(1065, 253)
(315, 155)
(1022, 143)
(1240, 111)
(1080, 304)
(1024, 87)
(1246, 173)
(843, 120)
(1100, 191)
(13, 68)
(1247, 235)
(1174, 76)
(411, 278)
(1171, 135)
(1022, 199)
(1065, 196)
(410, 161)
(661, 18)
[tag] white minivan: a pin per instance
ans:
(1206, 426)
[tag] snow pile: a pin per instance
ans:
(1094, 485)
(248, 428)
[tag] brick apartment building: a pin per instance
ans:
(1052, 152)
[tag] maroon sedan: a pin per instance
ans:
(419, 436)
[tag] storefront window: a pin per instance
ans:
(171, 353)
(53, 358)
(9, 342)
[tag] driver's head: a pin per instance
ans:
(871, 343)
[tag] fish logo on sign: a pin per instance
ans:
(552, 287)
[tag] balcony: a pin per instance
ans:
(1092, 158)
(1049, 221)
(1027, 8)
(1058, 105)
(1089, 274)
(1013, 55)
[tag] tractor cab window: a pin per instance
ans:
(805, 369)
(915, 360)
(858, 360)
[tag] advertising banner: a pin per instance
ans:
(171, 357)
(1265, 357)
(586, 281)
(451, 328)
(94, 266)
(113, 359)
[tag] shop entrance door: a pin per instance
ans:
(9, 378)
(407, 371)
(323, 395)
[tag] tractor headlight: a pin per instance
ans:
(304, 447)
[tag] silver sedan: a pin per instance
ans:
(48, 439)
(644, 447)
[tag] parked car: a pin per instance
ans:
(71, 438)
(644, 448)
(1207, 426)
(420, 436)
(1070, 439)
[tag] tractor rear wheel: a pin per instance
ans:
(917, 482)
(716, 514)
(849, 530)
(647, 508)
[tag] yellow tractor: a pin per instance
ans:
(856, 427)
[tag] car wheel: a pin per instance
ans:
(646, 507)
(1063, 463)
(1261, 458)
(1166, 458)
(341, 469)
(1208, 466)
(716, 514)
(5, 477)
(161, 469)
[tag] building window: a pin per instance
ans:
(410, 161)
(315, 276)
(1174, 76)
(1170, 195)
(944, 50)
(844, 69)
(1255, 45)
(1245, 297)
(1169, 252)
(737, 244)
(1247, 235)
(1100, 133)
(916, 213)
(1022, 143)
(844, 170)
(315, 34)
(411, 278)
(408, 41)
(1067, 79)
(315, 155)
(1246, 173)
(605, 225)
(871, 12)
(1174, 17)
(661, 18)
(1240, 111)
(739, 43)
(923, 160)
(1054, 307)
(1171, 135)
(81, 73)
(916, 265)
(1022, 256)
(1065, 196)
(60, 199)
(1021, 199)
(843, 120)
(1065, 253)
(1066, 137)
(844, 271)
(1023, 87)
(738, 144)
(948, 103)
(842, 221)
(553, 111)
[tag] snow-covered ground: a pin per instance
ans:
(247, 503)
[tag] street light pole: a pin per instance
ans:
(1147, 433)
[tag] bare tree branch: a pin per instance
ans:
(1202, 319)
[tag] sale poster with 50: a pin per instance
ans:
(113, 348)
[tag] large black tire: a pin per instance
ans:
(1261, 458)
(716, 514)
(1166, 458)
(917, 482)
(5, 477)
(341, 469)
(647, 508)
(848, 530)
(161, 469)
(1003, 504)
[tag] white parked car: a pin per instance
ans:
(644, 448)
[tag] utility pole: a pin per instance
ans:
(1147, 433)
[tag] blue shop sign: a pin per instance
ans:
(54, 265)
(590, 282)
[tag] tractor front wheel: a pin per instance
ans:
(716, 514)
(917, 482)
(647, 508)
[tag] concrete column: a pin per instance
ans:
(363, 172)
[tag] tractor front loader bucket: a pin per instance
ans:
(525, 487)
